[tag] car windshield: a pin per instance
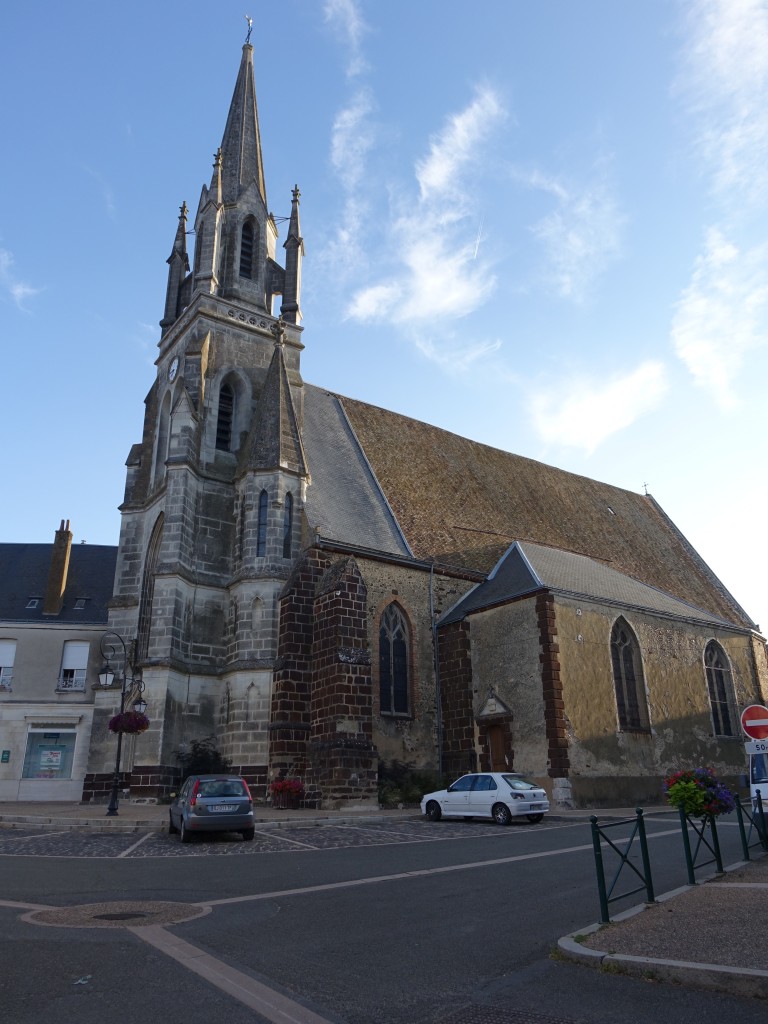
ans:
(221, 787)
(516, 782)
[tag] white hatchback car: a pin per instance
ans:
(498, 795)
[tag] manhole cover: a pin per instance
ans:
(121, 914)
(119, 917)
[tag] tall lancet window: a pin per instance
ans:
(261, 528)
(199, 247)
(393, 661)
(246, 250)
(225, 417)
(719, 685)
(287, 526)
(628, 679)
(148, 589)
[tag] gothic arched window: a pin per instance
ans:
(163, 438)
(246, 250)
(261, 528)
(225, 417)
(287, 526)
(628, 679)
(719, 685)
(148, 589)
(393, 662)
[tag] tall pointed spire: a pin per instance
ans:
(178, 264)
(241, 144)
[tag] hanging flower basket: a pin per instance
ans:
(129, 722)
(286, 793)
(699, 793)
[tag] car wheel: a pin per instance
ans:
(248, 834)
(534, 818)
(501, 814)
(172, 830)
(184, 834)
(433, 811)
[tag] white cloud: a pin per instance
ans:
(345, 17)
(456, 358)
(725, 81)
(721, 315)
(18, 290)
(583, 412)
(455, 147)
(582, 237)
(351, 139)
(439, 274)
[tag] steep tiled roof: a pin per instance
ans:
(24, 574)
(526, 568)
(464, 503)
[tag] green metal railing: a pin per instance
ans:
(700, 828)
(600, 836)
(757, 834)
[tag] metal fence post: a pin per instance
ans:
(716, 844)
(604, 916)
(644, 852)
(742, 830)
(760, 823)
(687, 846)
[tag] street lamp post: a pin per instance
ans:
(110, 645)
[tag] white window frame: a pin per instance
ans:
(7, 658)
(74, 666)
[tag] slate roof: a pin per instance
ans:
(462, 503)
(344, 502)
(526, 568)
(24, 574)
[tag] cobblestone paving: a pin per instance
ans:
(22, 843)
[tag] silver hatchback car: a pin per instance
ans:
(212, 803)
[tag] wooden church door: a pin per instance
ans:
(497, 744)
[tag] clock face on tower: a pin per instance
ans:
(173, 369)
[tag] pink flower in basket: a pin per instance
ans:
(129, 722)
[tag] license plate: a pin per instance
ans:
(225, 808)
(536, 807)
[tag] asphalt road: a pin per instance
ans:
(446, 923)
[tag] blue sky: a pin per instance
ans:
(542, 226)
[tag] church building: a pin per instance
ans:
(323, 585)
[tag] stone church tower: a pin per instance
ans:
(212, 515)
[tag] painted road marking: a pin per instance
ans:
(266, 1001)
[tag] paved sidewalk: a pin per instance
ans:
(710, 935)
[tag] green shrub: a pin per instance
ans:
(202, 758)
(401, 783)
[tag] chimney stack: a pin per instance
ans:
(57, 574)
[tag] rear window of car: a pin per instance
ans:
(515, 782)
(221, 787)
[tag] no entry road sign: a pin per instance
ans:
(754, 721)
